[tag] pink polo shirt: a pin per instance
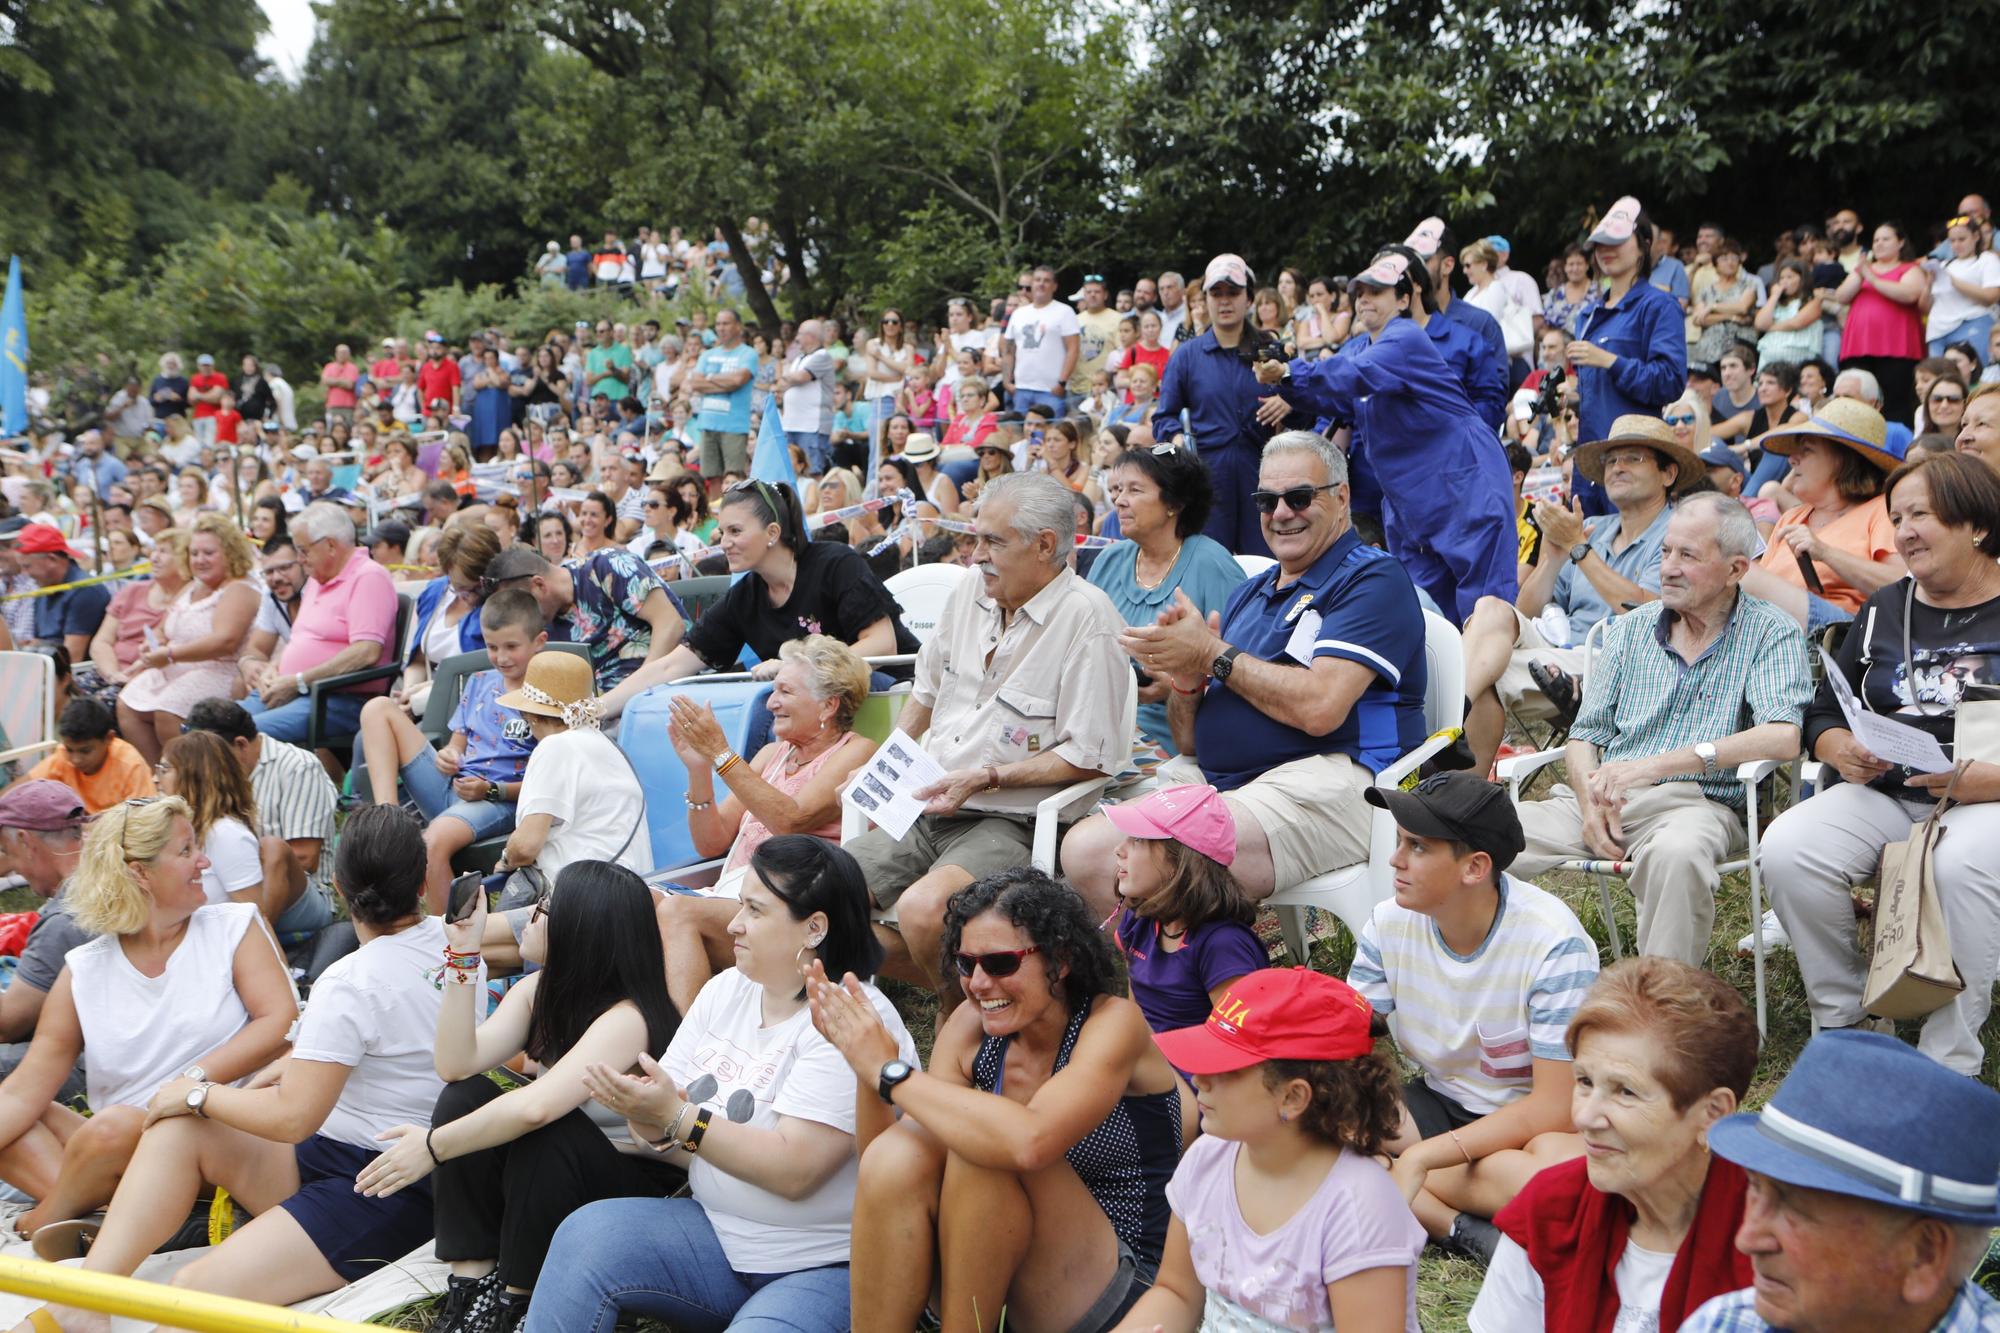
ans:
(359, 604)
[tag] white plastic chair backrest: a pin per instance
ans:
(1253, 565)
(1444, 674)
(27, 704)
(1593, 642)
(922, 593)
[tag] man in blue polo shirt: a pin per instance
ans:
(1309, 683)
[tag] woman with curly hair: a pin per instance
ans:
(1283, 1217)
(1029, 1170)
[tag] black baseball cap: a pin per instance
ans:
(1457, 807)
(1701, 370)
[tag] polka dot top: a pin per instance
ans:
(1125, 1162)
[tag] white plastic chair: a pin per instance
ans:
(1253, 565)
(1351, 892)
(27, 706)
(1516, 769)
(922, 593)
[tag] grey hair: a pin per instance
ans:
(320, 520)
(1735, 530)
(1864, 380)
(1041, 503)
(1171, 274)
(1314, 443)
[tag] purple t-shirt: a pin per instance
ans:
(1356, 1220)
(1172, 987)
(497, 742)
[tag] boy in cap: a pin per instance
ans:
(1482, 972)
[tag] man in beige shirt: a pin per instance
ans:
(1022, 691)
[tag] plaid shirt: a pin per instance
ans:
(1641, 699)
(1973, 1312)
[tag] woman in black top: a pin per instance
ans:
(253, 392)
(793, 588)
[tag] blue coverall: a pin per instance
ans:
(1647, 332)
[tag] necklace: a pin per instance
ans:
(1140, 579)
(1166, 934)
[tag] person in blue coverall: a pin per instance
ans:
(1211, 377)
(1628, 351)
(1449, 503)
(1469, 337)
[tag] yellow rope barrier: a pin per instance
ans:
(173, 1306)
(143, 567)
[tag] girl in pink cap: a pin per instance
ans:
(1185, 925)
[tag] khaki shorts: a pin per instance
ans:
(724, 451)
(1518, 692)
(978, 844)
(1311, 811)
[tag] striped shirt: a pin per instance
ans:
(1641, 698)
(295, 799)
(1972, 1312)
(1475, 1023)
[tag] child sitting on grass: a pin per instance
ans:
(94, 761)
(467, 790)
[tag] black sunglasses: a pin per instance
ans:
(1003, 964)
(1947, 397)
(1298, 499)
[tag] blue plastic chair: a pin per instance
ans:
(642, 735)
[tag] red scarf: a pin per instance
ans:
(1575, 1233)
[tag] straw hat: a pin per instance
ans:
(1652, 432)
(558, 685)
(1847, 422)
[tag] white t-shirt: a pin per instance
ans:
(581, 779)
(272, 618)
(234, 863)
(1511, 1299)
(652, 260)
(376, 1012)
(1037, 333)
(1951, 307)
(720, 1057)
(808, 408)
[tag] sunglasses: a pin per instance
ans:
(1003, 964)
(1680, 419)
(541, 909)
(656, 504)
(1947, 397)
(1298, 499)
(893, 320)
(1023, 287)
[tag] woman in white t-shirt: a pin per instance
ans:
(512, 1164)
(170, 985)
(199, 768)
(288, 1144)
(1282, 1216)
(1962, 292)
(761, 1110)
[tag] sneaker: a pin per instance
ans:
(1472, 1238)
(1775, 938)
(508, 1314)
(468, 1304)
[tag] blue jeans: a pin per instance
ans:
(1974, 331)
(432, 792)
(1024, 399)
(288, 722)
(660, 1258)
(816, 446)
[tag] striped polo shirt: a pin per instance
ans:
(1475, 1023)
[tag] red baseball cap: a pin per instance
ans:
(1279, 1013)
(41, 539)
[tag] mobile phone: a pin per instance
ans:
(464, 893)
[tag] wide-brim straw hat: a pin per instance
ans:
(1652, 432)
(1847, 422)
(558, 685)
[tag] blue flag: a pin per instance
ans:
(771, 460)
(13, 355)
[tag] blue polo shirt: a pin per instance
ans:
(1368, 614)
(78, 611)
(1639, 562)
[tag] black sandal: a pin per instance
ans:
(1560, 687)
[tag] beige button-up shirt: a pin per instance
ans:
(1052, 679)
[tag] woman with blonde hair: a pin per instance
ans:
(171, 987)
(201, 636)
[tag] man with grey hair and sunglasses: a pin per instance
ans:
(1022, 691)
(1292, 698)
(1687, 688)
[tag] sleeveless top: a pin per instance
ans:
(140, 1031)
(1877, 326)
(753, 834)
(1126, 1161)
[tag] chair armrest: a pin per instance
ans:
(1518, 768)
(1394, 774)
(892, 660)
(853, 823)
(320, 692)
(1048, 816)
(1756, 770)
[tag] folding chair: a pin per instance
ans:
(27, 706)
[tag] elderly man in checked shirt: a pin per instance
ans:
(1686, 689)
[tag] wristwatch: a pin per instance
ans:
(1705, 751)
(300, 681)
(493, 792)
(1578, 552)
(891, 1076)
(1226, 663)
(197, 1099)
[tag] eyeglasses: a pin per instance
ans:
(997, 965)
(541, 908)
(1298, 499)
(1947, 398)
(1679, 419)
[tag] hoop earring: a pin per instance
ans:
(799, 958)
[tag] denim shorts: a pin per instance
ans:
(1820, 613)
(432, 792)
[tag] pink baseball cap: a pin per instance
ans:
(1428, 236)
(1226, 268)
(1386, 271)
(1618, 224)
(1195, 816)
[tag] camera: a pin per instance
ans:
(1548, 403)
(1260, 345)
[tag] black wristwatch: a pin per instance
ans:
(1578, 552)
(892, 1075)
(493, 792)
(1226, 663)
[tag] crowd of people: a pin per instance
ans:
(1212, 524)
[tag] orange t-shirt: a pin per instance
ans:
(1863, 530)
(123, 775)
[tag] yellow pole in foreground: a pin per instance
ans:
(176, 1307)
